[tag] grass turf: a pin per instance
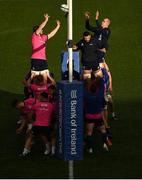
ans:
(124, 59)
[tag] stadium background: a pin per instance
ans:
(17, 18)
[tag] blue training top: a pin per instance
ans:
(94, 102)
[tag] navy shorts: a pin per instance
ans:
(36, 130)
(97, 122)
(89, 66)
(39, 65)
(101, 57)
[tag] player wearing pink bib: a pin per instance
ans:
(43, 112)
(25, 108)
(39, 46)
(28, 103)
(38, 89)
(38, 58)
(39, 85)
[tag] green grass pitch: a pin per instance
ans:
(17, 17)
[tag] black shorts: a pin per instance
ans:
(89, 66)
(97, 122)
(36, 130)
(39, 65)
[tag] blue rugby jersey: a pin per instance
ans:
(94, 102)
(101, 35)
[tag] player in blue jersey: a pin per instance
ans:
(101, 36)
(101, 31)
(109, 90)
(93, 106)
(107, 84)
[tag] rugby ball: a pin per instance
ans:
(64, 8)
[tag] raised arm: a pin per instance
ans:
(87, 23)
(27, 83)
(97, 18)
(43, 24)
(51, 79)
(54, 31)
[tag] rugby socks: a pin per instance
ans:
(113, 114)
(47, 151)
(47, 146)
(53, 150)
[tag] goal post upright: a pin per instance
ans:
(70, 51)
(70, 38)
(70, 106)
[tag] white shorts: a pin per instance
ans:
(34, 73)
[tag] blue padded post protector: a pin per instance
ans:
(70, 120)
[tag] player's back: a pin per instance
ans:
(43, 112)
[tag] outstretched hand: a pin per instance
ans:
(46, 16)
(97, 14)
(87, 14)
(58, 23)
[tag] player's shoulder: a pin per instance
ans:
(80, 41)
(34, 35)
(44, 35)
